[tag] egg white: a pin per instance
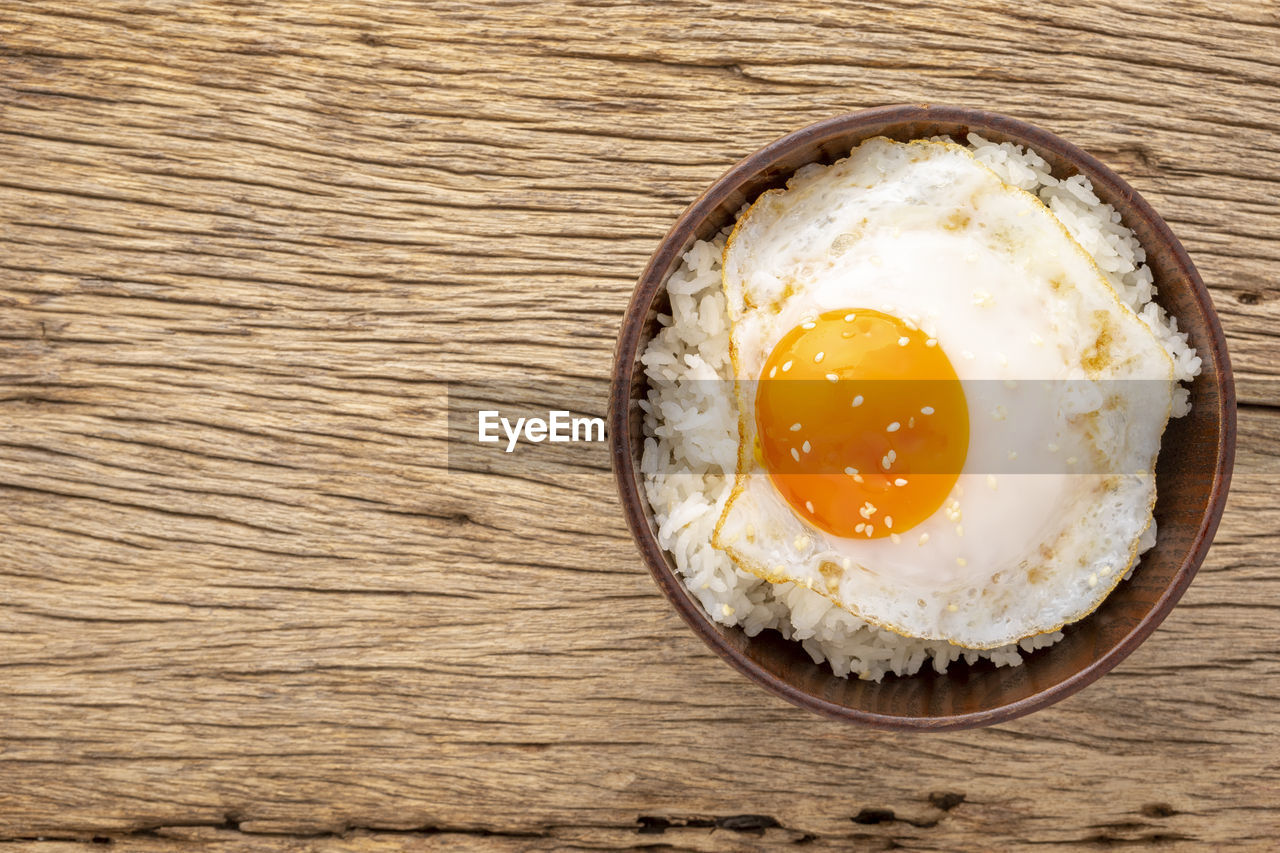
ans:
(923, 231)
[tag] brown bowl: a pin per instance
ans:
(1192, 476)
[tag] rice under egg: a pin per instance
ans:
(690, 455)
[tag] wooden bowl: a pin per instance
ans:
(1192, 476)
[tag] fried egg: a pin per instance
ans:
(948, 422)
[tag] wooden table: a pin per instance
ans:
(245, 606)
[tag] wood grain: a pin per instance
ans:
(244, 605)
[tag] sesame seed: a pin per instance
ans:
(808, 325)
(1093, 580)
(924, 537)
(927, 410)
(981, 298)
(885, 462)
(952, 511)
(895, 539)
(831, 377)
(851, 471)
(870, 527)
(726, 609)
(817, 358)
(991, 482)
(862, 525)
(795, 427)
(786, 365)
(910, 324)
(857, 401)
(1036, 339)
(999, 413)
(911, 422)
(893, 427)
(1013, 454)
(849, 318)
(795, 454)
(1053, 448)
(960, 530)
(903, 341)
(892, 456)
(857, 478)
(1071, 460)
(847, 563)
(773, 371)
(801, 542)
(931, 342)
(962, 562)
(1104, 571)
(806, 447)
(888, 521)
(900, 482)
(809, 506)
(951, 608)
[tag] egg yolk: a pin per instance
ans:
(861, 423)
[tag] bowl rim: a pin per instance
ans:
(635, 504)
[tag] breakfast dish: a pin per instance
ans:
(844, 440)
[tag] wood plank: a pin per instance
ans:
(244, 604)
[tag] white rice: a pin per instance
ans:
(691, 437)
